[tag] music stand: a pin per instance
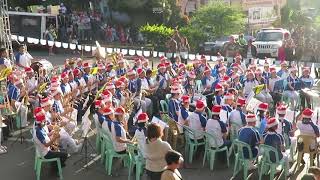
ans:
(3, 149)
(86, 143)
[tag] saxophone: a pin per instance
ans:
(129, 104)
(56, 131)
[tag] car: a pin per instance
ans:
(268, 41)
(213, 47)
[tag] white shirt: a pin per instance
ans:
(272, 82)
(117, 145)
(141, 138)
(7, 63)
(144, 84)
(305, 129)
(25, 59)
(32, 84)
(194, 123)
(235, 117)
(248, 87)
(213, 127)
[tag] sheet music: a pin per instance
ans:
(224, 116)
(290, 115)
(162, 124)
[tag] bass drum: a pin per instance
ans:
(44, 64)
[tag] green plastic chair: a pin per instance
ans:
(288, 146)
(168, 96)
(209, 113)
(199, 86)
(240, 161)
(106, 141)
(111, 153)
(234, 127)
(265, 163)
(38, 163)
(98, 136)
(164, 106)
(210, 153)
(135, 159)
(191, 144)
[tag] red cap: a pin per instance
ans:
(64, 75)
(241, 101)
(272, 122)
(251, 118)
(123, 79)
(181, 65)
(200, 104)
(140, 71)
(272, 69)
(143, 117)
(98, 104)
(185, 98)
(218, 87)
(119, 111)
(228, 96)
(76, 72)
(38, 111)
(263, 107)
(281, 109)
(40, 118)
(46, 102)
(216, 109)
(28, 70)
(307, 113)
(107, 111)
(235, 65)
(86, 65)
(119, 84)
(161, 66)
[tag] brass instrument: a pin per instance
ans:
(56, 131)
(129, 105)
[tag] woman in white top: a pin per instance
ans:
(155, 151)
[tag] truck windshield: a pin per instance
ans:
(269, 36)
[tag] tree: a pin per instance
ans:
(213, 21)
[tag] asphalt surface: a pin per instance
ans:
(18, 163)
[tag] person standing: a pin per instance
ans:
(174, 160)
(23, 58)
(155, 151)
(4, 58)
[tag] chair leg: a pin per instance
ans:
(38, 172)
(138, 171)
(228, 163)
(102, 150)
(35, 162)
(106, 161)
(110, 159)
(235, 167)
(59, 169)
(300, 156)
(212, 158)
(261, 170)
(272, 171)
(191, 150)
(245, 169)
(204, 157)
(130, 170)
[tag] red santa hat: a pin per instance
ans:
(142, 118)
(182, 66)
(235, 65)
(263, 107)
(307, 113)
(162, 58)
(241, 101)
(38, 111)
(119, 84)
(64, 75)
(86, 65)
(40, 118)
(281, 110)
(46, 102)
(107, 96)
(98, 104)
(251, 118)
(109, 86)
(76, 72)
(131, 72)
(200, 105)
(175, 90)
(28, 70)
(119, 111)
(218, 87)
(140, 71)
(216, 110)
(229, 96)
(107, 111)
(272, 69)
(168, 64)
(123, 79)
(272, 122)
(161, 66)
(185, 99)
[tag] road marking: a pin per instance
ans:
(88, 164)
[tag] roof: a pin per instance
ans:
(29, 14)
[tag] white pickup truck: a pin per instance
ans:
(268, 41)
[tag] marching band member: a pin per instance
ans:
(162, 82)
(207, 82)
(31, 85)
(264, 95)
(262, 124)
(111, 88)
(145, 64)
(306, 126)
(189, 84)
(217, 128)
(283, 73)
(174, 104)
(290, 90)
(235, 82)
(140, 133)
(276, 96)
(135, 90)
(184, 111)
(266, 72)
(219, 91)
(110, 72)
(120, 93)
(306, 82)
(143, 87)
(237, 116)
(107, 118)
(250, 135)
(65, 86)
(137, 64)
(23, 58)
(16, 95)
(249, 84)
(4, 58)
(197, 120)
(276, 140)
(43, 140)
(121, 71)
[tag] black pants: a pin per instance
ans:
(154, 175)
(61, 155)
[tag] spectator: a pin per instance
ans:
(155, 151)
(174, 160)
(315, 171)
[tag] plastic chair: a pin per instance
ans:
(266, 163)
(191, 144)
(111, 153)
(234, 128)
(38, 163)
(288, 145)
(164, 106)
(240, 161)
(106, 141)
(168, 96)
(210, 152)
(309, 146)
(199, 87)
(98, 135)
(135, 158)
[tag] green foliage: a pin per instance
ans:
(157, 35)
(213, 21)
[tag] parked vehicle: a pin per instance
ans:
(268, 41)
